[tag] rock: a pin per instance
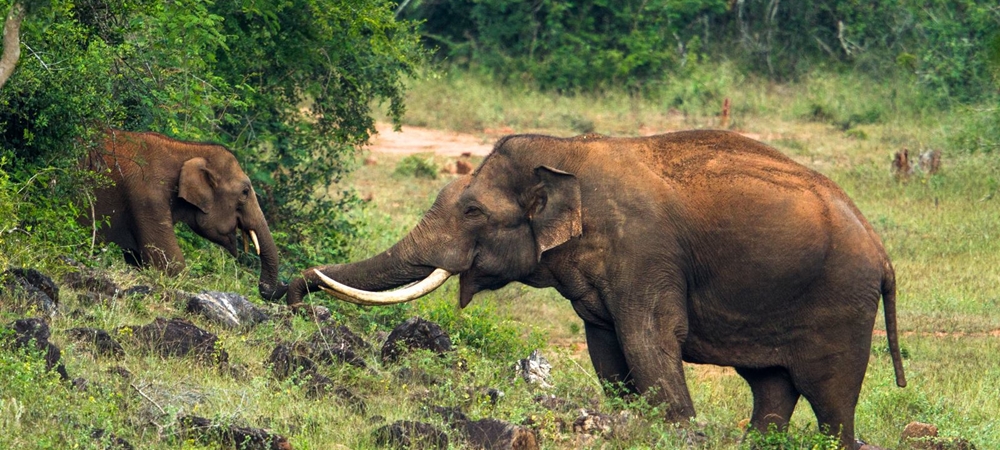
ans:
(535, 369)
(32, 287)
(466, 154)
(338, 344)
(313, 312)
(110, 440)
(104, 344)
(90, 281)
(493, 434)
(449, 168)
(917, 430)
(592, 422)
(409, 434)
(81, 384)
(463, 167)
(231, 310)
(286, 362)
(930, 162)
(924, 436)
(597, 423)
(415, 333)
(139, 290)
(34, 333)
(176, 337)
(371, 160)
(231, 436)
(495, 395)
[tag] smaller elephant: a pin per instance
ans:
(158, 181)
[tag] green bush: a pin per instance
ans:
(790, 440)
(417, 166)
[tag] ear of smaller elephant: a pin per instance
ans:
(554, 208)
(195, 183)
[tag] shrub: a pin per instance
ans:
(417, 166)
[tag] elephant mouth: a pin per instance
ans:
(404, 294)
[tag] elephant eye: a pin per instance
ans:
(473, 211)
(246, 192)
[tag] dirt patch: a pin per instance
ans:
(945, 334)
(412, 140)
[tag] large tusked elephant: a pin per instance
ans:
(157, 182)
(698, 246)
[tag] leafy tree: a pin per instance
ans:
(568, 45)
(287, 84)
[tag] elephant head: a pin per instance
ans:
(491, 228)
(221, 201)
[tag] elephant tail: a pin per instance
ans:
(889, 303)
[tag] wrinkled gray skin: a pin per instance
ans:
(700, 246)
(157, 182)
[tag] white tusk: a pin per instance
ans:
(368, 298)
(256, 245)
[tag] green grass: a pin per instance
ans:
(941, 232)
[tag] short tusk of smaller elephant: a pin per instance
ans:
(256, 244)
(246, 242)
(368, 298)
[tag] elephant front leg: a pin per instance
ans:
(652, 346)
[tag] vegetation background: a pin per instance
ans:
(294, 88)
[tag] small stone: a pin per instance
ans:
(535, 369)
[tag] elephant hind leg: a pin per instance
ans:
(774, 396)
(834, 396)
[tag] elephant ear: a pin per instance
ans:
(554, 208)
(196, 183)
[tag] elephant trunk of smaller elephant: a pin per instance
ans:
(256, 227)
(369, 298)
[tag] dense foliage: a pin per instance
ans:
(952, 47)
(287, 84)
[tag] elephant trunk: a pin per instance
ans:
(256, 226)
(387, 270)
(431, 252)
(354, 282)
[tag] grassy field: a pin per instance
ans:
(941, 232)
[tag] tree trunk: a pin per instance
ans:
(11, 41)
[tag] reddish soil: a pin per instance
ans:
(425, 140)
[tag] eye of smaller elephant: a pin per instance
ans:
(246, 192)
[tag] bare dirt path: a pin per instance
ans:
(425, 140)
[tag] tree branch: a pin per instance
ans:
(11, 40)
